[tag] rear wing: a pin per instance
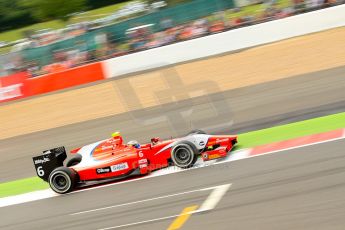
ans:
(48, 161)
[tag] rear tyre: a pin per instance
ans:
(63, 180)
(196, 131)
(74, 161)
(184, 154)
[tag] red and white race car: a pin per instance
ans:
(112, 159)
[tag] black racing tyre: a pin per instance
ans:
(184, 154)
(63, 180)
(74, 161)
(196, 131)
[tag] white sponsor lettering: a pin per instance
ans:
(142, 161)
(11, 91)
(119, 167)
(103, 170)
(106, 147)
(143, 166)
(41, 161)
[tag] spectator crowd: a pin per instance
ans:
(142, 37)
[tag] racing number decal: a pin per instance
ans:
(40, 171)
(45, 164)
(50, 160)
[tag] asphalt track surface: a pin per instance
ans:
(295, 189)
(234, 111)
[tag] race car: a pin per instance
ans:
(112, 159)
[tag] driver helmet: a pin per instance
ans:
(117, 136)
(134, 143)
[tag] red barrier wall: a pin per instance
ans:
(65, 79)
(12, 86)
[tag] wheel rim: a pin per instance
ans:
(183, 156)
(60, 182)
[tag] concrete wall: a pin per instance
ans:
(228, 41)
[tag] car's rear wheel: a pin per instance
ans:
(74, 161)
(184, 154)
(63, 180)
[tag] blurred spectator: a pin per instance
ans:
(217, 26)
(101, 39)
(141, 37)
(166, 23)
(33, 69)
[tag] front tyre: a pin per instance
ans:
(63, 180)
(184, 154)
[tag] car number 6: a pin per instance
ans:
(40, 171)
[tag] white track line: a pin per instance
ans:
(297, 147)
(210, 203)
(143, 222)
(27, 197)
(214, 198)
(216, 188)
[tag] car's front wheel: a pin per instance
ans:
(63, 180)
(184, 154)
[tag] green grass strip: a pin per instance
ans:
(22, 186)
(293, 130)
(246, 140)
